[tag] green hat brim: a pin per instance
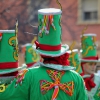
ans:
(63, 50)
(57, 67)
(83, 60)
(6, 71)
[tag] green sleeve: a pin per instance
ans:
(19, 91)
(22, 90)
(82, 93)
(34, 86)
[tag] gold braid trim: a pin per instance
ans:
(14, 38)
(59, 4)
(79, 67)
(73, 60)
(35, 57)
(2, 88)
(89, 48)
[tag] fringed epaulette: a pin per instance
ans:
(20, 76)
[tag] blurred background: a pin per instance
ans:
(76, 15)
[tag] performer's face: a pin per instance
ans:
(89, 68)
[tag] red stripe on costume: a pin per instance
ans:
(30, 64)
(9, 74)
(8, 65)
(47, 47)
(91, 58)
(89, 83)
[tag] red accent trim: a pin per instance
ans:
(61, 60)
(30, 64)
(0, 34)
(89, 83)
(8, 65)
(47, 47)
(91, 58)
(9, 74)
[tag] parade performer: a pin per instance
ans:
(88, 63)
(74, 58)
(31, 57)
(9, 68)
(54, 79)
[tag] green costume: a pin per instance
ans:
(54, 81)
(74, 60)
(71, 85)
(31, 89)
(48, 81)
(8, 63)
(9, 52)
(16, 92)
(89, 54)
(31, 57)
(89, 48)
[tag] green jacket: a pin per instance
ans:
(17, 92)
(40, 73)
(36, 77)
